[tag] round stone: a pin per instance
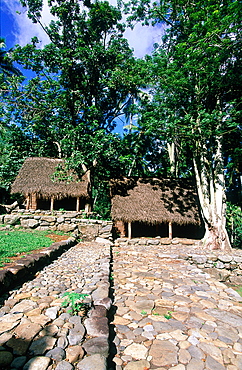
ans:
(5, 358)
(137, 351)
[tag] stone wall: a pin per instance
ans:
(74, 222)
(224, 267)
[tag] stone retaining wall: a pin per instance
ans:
(59, 221)
(25, 268)
(224, 267)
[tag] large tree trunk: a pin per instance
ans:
(172, 158)
(210, 186)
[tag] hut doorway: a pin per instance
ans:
(189, 231)
(141, 229)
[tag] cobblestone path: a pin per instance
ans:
(171, 315)
(37, 333)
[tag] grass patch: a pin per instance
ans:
(16, 242)
(238, 290)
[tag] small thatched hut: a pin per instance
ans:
(155, 207)
(37, 183)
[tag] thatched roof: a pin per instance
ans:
(154, 201)
(36, 176)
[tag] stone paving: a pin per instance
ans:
(169, 314)
(38, 333)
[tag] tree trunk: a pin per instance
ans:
(210, 186)
(172, 159)
(88, 206)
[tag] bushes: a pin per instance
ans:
(234, 225)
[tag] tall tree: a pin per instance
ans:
(198, 92)
(82, 81)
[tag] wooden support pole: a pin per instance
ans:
(51, 204)
(170, 230)
(87, 208)
(27, 203)
(78, 204)
(129, 230)
(33, 202)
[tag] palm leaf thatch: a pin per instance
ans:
(36, 176)
(154, 201)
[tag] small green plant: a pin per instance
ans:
(155, 313)
(74, 301)
(111, 277)
(168, 315)
(143, 312)
(214, 264)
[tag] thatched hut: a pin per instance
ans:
(155, 207)
(36, 181)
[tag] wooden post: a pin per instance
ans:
(51, 204)
(78, 204)
(170, 230)
(129, 230)
(27, 202)
(87, 208)
(33, 202)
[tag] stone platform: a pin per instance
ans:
(169, 314)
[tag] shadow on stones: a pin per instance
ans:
(112, 347)
(15, 354)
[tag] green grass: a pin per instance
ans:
(15, 242)
(238, 290)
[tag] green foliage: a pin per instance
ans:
(234, 224)
(239, 290)
(195, 93)
(74, 301)
(82, 79)
(81, 84)
(6, 63)
(15, 146)
(15, 242)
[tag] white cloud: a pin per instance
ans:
(141, 39)
(23, 29)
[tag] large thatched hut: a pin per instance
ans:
(155, 207)
(37, 182)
